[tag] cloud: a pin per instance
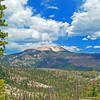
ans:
(50, 4)
(41, 29)
(96, 46)
(90, 37)
(53, 7)
(84, 39)
(28, 30)
(51, 16)
(71, 48)
(89, 47)
(22, 47)
(87, 20)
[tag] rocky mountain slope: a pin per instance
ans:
(53, 57)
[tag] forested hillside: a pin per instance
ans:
(51, 84)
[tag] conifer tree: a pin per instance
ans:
(3, 42)
(3, 35)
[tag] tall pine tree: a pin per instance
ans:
(3, 42)
(3, 35)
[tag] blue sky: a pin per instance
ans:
(62, 12)
(73, 24)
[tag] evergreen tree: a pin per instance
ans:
(3, 42)
(3, 35)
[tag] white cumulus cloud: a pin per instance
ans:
(87, 20)
(28, 28)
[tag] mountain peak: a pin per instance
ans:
(53, 48)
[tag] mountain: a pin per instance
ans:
(53, 57)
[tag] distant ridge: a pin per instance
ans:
(53, 57)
